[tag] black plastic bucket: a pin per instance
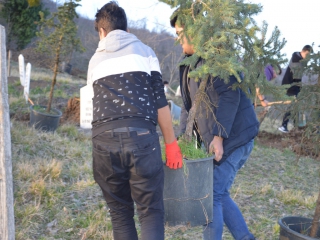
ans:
(188, 193)
(44, 121)
(296, 228)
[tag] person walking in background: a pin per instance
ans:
(270, 74)
(128, 102)
(167, 90)
(293, 76)
(166, 84)
(229, 136)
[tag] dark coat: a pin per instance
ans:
(235, 120)
(292, 74)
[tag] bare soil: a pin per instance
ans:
(292, 140)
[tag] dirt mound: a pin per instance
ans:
(293, 140)
(72, 112)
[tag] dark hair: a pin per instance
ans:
(165, 82)
(307, 48)
(111, 17)
(174, 18)
(177, 15)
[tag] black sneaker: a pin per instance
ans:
(283, 129)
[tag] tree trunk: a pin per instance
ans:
(55, 72)
(316, 217)
(193, 110)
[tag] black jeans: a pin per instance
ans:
(292, 91)
(285, 119)
(128, 168)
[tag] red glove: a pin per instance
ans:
(174, 156)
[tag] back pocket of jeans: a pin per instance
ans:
(147, 161)
(102, 164)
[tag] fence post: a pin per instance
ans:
(7, 230)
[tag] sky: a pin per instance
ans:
(155, 13)
(298, 21)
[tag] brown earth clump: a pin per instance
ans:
(72, 112)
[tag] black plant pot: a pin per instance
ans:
(188, 193)
(44, 121)
(296, 228)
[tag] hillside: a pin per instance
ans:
(162, 43)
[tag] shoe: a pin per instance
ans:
(283, 129)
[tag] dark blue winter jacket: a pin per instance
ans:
(235, 119)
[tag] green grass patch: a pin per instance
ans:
(13, 90)
(43, 109)
(189, 151)
(18, 105)
(39, 91)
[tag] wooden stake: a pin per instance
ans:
(277, 103)
(30, 101)
(9, 63)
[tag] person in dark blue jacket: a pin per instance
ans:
(228, 133)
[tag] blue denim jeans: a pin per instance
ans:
(128, 168)
(225, 210)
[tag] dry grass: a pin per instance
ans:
(44, 74)
(56, 197)
(53, 184)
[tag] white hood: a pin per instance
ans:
(116, 40)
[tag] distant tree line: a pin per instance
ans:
(21, 18)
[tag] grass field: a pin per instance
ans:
(57, 198)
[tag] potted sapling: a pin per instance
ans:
(57, 37)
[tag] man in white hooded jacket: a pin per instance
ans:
(128, 102)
